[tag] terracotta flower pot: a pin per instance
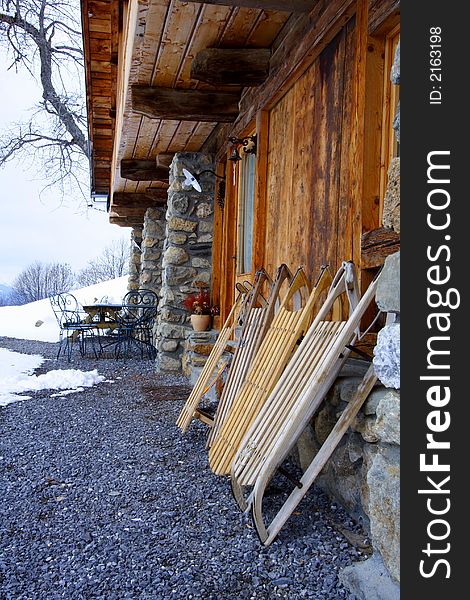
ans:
(200, 322)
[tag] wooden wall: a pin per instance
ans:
(309, 212)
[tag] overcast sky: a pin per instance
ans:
(34, 228)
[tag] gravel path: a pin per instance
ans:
(102, 497)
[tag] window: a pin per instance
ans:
(246, 197)
(390, 145)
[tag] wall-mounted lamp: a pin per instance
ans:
(248, 146)
(192, 181)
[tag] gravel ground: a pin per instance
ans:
(103, 497)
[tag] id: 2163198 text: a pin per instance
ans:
(435, 65)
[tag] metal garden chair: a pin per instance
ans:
(72, 324)
(135, 324)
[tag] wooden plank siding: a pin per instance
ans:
(321, 145)
(307, 182)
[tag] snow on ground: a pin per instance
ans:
(36, 321)
(16, 377)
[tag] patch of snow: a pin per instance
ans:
(16, 377)
(36, 320)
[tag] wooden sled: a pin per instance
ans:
(291, 321)
(295, 400)
(260, 314)
(203, 383)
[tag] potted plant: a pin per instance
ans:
(199, 306)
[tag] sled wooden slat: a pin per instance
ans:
(253, 332)
(322, 456)
(292, 403)
(189, 411)
(268, 364)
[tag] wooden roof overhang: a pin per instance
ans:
(158, 83)
(139, 53)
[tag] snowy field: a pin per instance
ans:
(36, 321)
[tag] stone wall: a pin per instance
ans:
(135, 258)
(187, 254)
(153, 237)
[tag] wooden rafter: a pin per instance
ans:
(284, 5)
(125, 221)
(246, 67)
(143, 170)
(185, 105)
(157, 196)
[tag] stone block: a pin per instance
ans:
(307, 447)
(369, 580)
(388, 286)
(387, 424)
(178, 224)
(204, 209)
(171, 331)
(153, 254)
(174, 256)
(198, 361)
(207, 237)
(169, 363)
(391, 211)
(370, 405)
(200, 263)
(324, 423)
(172, 316)
(149, 242)
(348, 388)
(206, 227)
(175, 237)
(387, 356)
(204, 349)
(365, 426)
(176, 276)
(203, 279)
(383, 480)
(178, 203)
(169, 345)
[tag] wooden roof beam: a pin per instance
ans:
(185, 105)
(247, 67)
(152, 197)
(283, 5)
(125, 221)
(143, 170)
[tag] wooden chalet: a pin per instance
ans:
(308, 78)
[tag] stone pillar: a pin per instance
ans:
(153, 237)
(134, 258)
(187, 254)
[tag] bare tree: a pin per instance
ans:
(40, 280)
(112, 263)
(44, 37)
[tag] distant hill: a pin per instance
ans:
(5, 290)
